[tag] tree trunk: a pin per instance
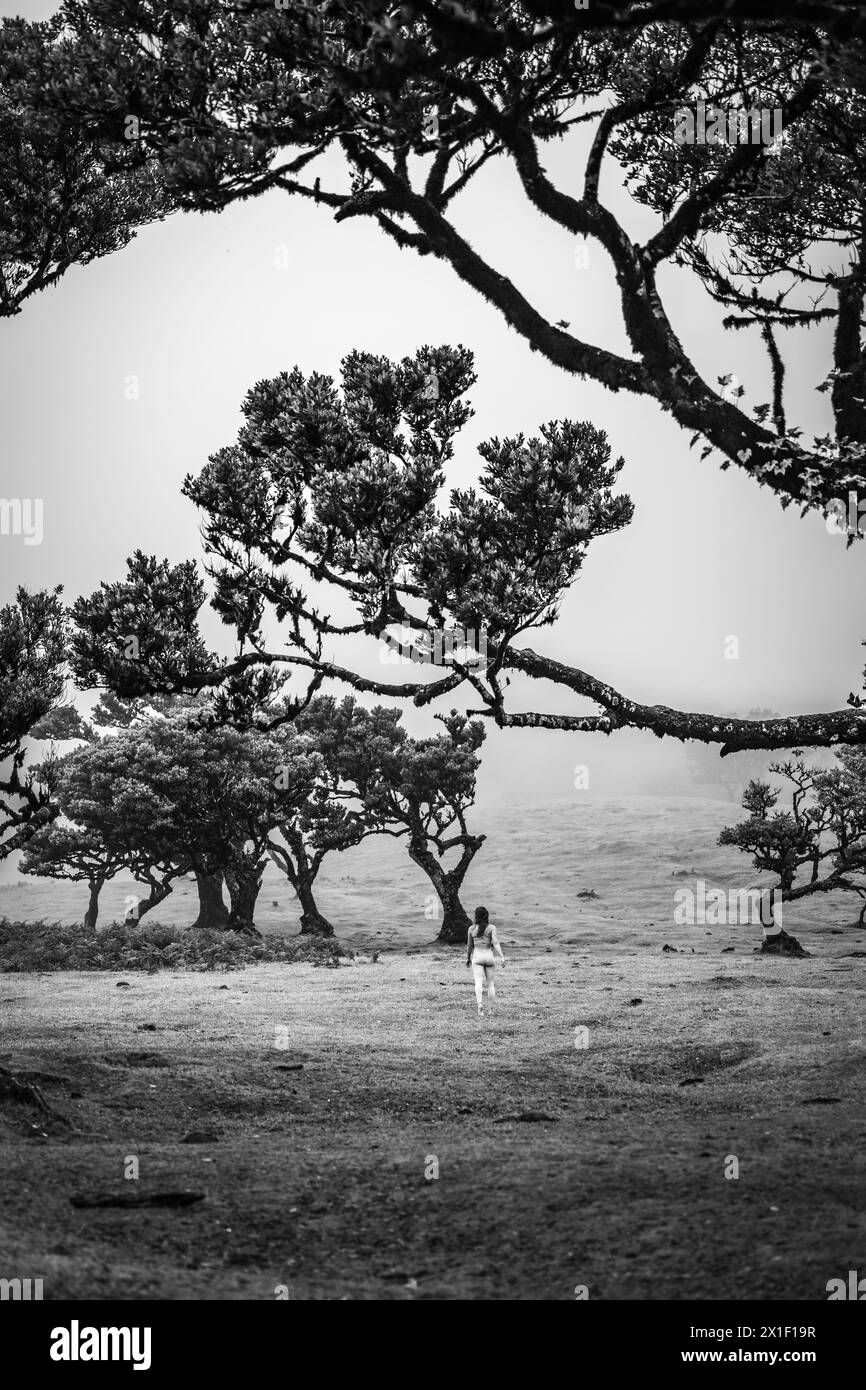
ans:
(158, 893)
(455, 919)
(212, 911)
(782, 945)
(244, 880)
(92, 912)
(776, 941)
(312, 921)
(301, 873)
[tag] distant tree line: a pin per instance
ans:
(160, 790)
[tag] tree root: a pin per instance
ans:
(781, 944)
(26, 1093)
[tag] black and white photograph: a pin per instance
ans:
(432, 698)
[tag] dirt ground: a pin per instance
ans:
(321, 1179)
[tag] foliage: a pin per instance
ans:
(67, 196)
(71, 852)
(375, 779)
(170, 791)
(229, 102)
(33, 638)
(342, 490)
(45, 946)
(820, 839)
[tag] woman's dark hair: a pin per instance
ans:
(482, 917)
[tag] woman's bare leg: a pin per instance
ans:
(478, 971)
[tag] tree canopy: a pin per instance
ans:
(33, 652)
(67, 196)
(341, 489)
(229, 101)
(375, 779)
(426, 791)
(220, 102)
(818, 843)
(349, 743)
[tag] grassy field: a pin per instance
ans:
(558, 1165)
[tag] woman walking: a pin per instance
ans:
(482, 942)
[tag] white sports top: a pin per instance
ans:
(485, 943)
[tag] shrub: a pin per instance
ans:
(42, 946)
